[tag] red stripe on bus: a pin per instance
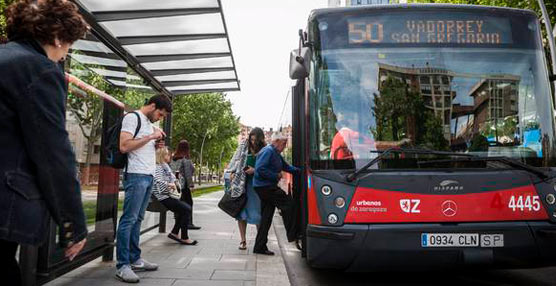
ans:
(312, 206)
(381, 206)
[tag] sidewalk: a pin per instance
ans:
(216, 260)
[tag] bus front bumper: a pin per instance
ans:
(397, 247)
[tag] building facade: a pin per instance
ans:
(494, 99)
(434, 85)
(243, 133)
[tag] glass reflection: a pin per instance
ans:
(487, 102)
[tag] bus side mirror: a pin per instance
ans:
(299, 63)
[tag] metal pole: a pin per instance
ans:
(550, 35)
(220, 165)
(201, 157)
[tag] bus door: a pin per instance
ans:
(298, 158)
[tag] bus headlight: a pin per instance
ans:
(332, 218)
(340, 202)
(550, 199)
(326, 190)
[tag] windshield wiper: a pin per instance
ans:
(351, 177)
(502, 159)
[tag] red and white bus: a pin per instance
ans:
(426, 136)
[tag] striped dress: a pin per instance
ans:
(162, 177)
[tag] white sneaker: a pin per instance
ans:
(127, 275)
(143, 265)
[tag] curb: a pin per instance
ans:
(271, 270)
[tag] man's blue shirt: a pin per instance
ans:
(269, 164)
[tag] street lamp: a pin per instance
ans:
(220, 165)
(201, 156)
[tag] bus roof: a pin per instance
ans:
(400, 7)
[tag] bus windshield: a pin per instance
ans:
(465, 82)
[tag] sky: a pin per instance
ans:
(262, 35)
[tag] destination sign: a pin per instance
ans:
(430, 29)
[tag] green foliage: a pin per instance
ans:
(87, 107)
(479, 143)
(391, 108)
(3, 5)
(288, 155)
(503, 129)
(326, 112)
(208, 114)
(400, 113)
(433, 137)
(197, 192)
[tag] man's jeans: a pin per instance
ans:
(137, 193)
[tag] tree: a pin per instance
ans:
(395, 110)
(3, 5)
(87, 109)
(400, 112)
(207, 116)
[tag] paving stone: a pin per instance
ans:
(233, 275)
(196, 274)
(207, 283)
(215, 261)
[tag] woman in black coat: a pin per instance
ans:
(182, 165)
(37, 165)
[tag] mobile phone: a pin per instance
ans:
(245, 168)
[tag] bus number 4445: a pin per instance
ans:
(524, 203)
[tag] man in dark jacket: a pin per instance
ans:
(268, 172)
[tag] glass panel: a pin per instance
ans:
(182, 47)
(187, 64)
(89, 112)
(486, 101)
(205, 86)
(179, 25)
(91, 46)
(114, 5)
(198, 76)
(128, 85)
(110, 73)
(97, 60)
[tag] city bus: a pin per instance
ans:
(426, 138)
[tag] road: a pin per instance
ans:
(301, 274)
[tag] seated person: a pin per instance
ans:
(164, 185)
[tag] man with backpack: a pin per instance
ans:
(138, 140)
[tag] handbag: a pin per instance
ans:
(175, 193)
(232, 206)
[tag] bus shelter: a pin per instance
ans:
(134, 50)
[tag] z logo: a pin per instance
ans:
(410, 206)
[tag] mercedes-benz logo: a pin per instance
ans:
(449, 208)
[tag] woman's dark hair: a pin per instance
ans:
(182, 151)
(45, 21)
(160, 102)
(260, 143)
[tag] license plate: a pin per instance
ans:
(492, 240)
(449, 239)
